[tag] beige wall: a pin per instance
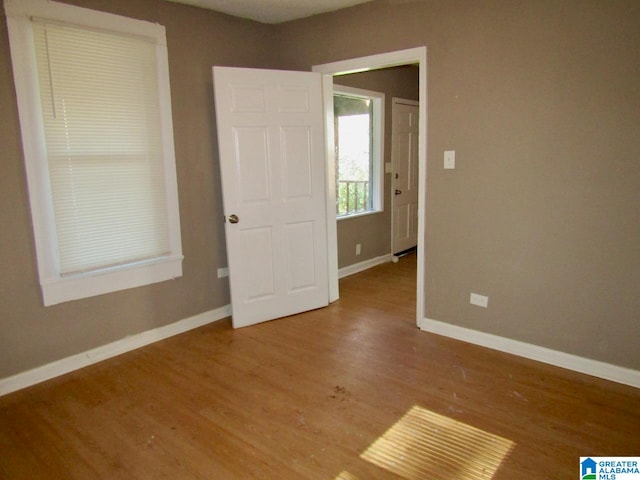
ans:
(373, 232)
(540, 100)
(31, 335)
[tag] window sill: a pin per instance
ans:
(357, 215)
(59, 290)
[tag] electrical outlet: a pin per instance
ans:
(358, 248)
(223, 272)
(479, 300)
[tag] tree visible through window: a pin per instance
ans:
(357, 119)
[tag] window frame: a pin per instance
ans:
(378, 122)
(55, 287)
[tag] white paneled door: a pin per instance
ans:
(404, 195)
(272, 159)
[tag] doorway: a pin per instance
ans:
(413, 56)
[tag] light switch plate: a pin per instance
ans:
(449, 159)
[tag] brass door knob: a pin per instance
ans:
(233, 218)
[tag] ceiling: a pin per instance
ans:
(272, 11)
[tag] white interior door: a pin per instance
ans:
(272, 158)
(404, 192)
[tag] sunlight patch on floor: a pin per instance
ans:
(423, 444)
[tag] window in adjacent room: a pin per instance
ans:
(95, 116)
(359, 133)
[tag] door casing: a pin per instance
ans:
(411, 56)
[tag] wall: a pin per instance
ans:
(373, 232)
(31, 335)
(540, 100)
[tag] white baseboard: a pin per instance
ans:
(80, 360)
(362, 266)
(595, 368)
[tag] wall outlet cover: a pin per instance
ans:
(479, 300)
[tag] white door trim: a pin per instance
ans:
(409, 56)
(330, 175)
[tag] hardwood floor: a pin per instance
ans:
(352, 391)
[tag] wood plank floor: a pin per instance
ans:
(352, 392)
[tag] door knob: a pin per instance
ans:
(233, 218)
(398, 192)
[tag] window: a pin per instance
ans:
(359, 133)
(95, 116)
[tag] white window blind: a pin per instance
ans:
(94, 102)
(99, 95)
